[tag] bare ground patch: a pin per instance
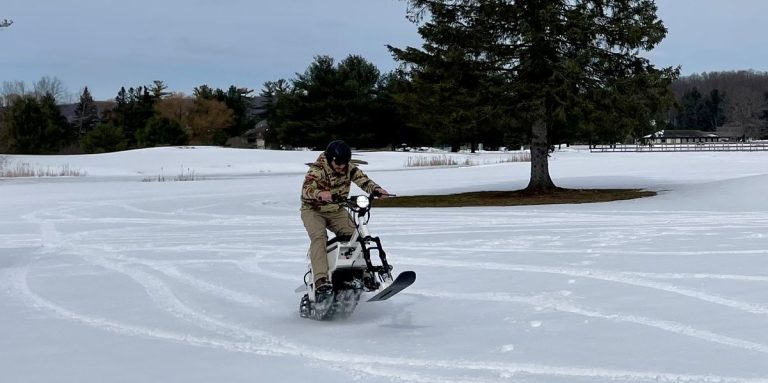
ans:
(515, 198)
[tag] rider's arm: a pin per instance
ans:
(311, 188)
(360, 179)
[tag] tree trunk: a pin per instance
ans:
(540, 181)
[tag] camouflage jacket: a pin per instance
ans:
(322, 177)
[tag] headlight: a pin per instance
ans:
(362, 201)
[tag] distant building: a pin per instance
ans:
(683, 137)
(252, 138)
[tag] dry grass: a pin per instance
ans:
(515, 198)
(447, 160)
(189, 175)
(435, 160)
(10, 169)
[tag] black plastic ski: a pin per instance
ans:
(405, 279)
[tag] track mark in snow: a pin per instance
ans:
(254, 266)
(14, 281)
(17, 241)
(609, 276)
(543, 302)
(210, 288)
(162, 295)
(235, 337)
(526, 250)
(172, 271)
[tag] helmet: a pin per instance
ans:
(338, 151)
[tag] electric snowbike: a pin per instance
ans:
(351, 269)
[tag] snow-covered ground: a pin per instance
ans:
(105, 278)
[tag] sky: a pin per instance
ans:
(105, 278)
(106, 44)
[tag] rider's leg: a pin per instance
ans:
(340, 222)
(315, 224)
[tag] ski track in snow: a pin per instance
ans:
(618, 277)
(256, 342)
(161, 235)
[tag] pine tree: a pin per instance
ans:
(56, 125)
(34, 126)
(24, 124)
(160, 131)
(104, 138)
(158, 90)
(540, 57)
(86, 114)
(330, 101)
(133, 109)
(715, 116)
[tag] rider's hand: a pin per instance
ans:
(382, 192)
(324, 196)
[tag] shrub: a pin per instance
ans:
(104, 138)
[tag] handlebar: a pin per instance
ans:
(375, 195)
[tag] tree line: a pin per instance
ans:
(32, 122)
(350, 99)
(732, 102)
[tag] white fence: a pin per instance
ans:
(690, 147)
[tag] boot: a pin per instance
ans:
(323, 287)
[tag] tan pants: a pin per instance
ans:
(317, 224)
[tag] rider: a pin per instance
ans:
(327, 178)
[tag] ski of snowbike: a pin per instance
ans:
(340, 304)
(405, 279)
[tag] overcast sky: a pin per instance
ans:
(106, 44)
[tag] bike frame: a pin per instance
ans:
(355, 252)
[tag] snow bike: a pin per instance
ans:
(351, 270)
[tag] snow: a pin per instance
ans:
(107, 278)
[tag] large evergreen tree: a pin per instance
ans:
(34, 126)
(388, 115)
(274, 93)
(330, 101)
(104, 138)
(161, 131)
(542, 56)
(449, 94)
(56, 125)
(24, 124)
(133, 110)
(626, 111)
